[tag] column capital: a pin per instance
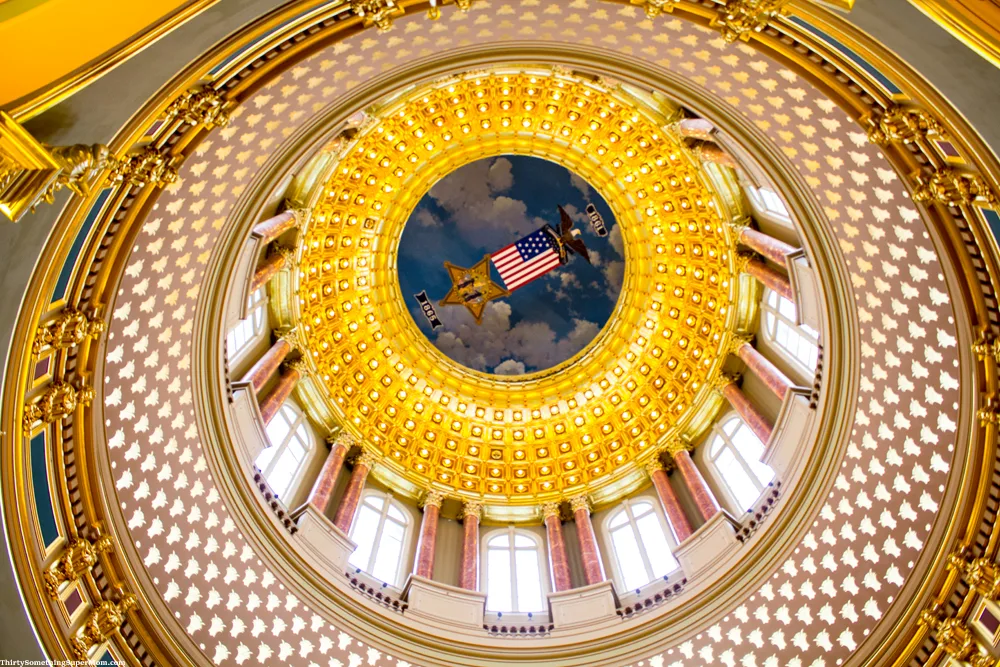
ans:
(433, 498)
(581, 502)
(741, 261)
(299, 213)
(300, 365)
(342, 438)
(550, 509)
(472, 508)
(723, 380)
(738, 340)
(292, 336)
(287, 254)
(651, 467)
(676, 446)
(367, 458)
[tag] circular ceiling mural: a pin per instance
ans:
(490, 240)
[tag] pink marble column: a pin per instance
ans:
(708, 151)
(558, 560)
(753, 418)
(274, 262)
(768, 246)
(760, 366)
(352, 495)
(676, 519)
(593, 568)
(703, 497)
(270, 404)
(322, 489)
(424, 564)
(468, 576)
(274, 227)
(268, 364)
(769, 277)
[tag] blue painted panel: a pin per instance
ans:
(59, 293)
(106, 660)
(40, 487)
(993, 220)
(852, 55)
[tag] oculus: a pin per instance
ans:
(522, 256)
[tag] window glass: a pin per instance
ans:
(281, 462)
(379, 529)
(798, 342)
(246, 331)
(734, 456)
(513, 573)
(640, 545)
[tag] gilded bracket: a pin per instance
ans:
(379, 13)
(654, 8)
(104, 621)
(957, 640)
(148, 167)
(59, 400)
(69, 329)
(980, 573)
(78, 558)
(740, 19)
(950, 187)
(902, 125)
(205, 106)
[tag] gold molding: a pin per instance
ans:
(41, 100)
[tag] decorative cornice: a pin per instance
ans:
(379, 13)
(902, 125)
(78, 558)
(150, 166)
(104, 620)
(980, 573)
(957, 640)
(59, 400)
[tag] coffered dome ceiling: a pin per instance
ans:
(897, 479)
(555, 433)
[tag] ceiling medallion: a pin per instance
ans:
(578, 426)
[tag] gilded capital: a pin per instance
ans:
(578, 503)
(433, 498)
(150, 166)
(550, 509)
(653, 466)
(676, 446)
(69, 329)
(79, 556)
(379, 13)
(292, 337)
(905, 126)
(740, 19)
(367, 458)
(342, 438)
(300, 365)
(104, 620)
(287, 254)
(738, 340)
(473, 508)
(205, 106)
(59, 400)
(950, 187)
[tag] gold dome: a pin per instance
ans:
(570, 429)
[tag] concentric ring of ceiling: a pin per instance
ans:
(572, 428)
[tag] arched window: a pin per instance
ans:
(768, 203)
(291, 441)
(733, 456)
(513, 571)
(639, 543)
(379, 530)
(797, 342)
(247, 330)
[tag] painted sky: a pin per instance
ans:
(482, 207)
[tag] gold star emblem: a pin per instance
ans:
(472, 288)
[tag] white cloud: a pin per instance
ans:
(580, 184)
(482, 216)
(510, 367)
(427, 219)
(614, 273)
(615, 239)
(501, 175)
(485, 346)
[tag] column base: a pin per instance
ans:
(713, 542)
(794, 422)
(326, 547)
(584, 605)
(440, 602)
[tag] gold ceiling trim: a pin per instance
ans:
(578, 426)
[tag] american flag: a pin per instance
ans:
(527, 259)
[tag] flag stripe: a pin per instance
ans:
(530, 265)
(527, 259)
(538, 270)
